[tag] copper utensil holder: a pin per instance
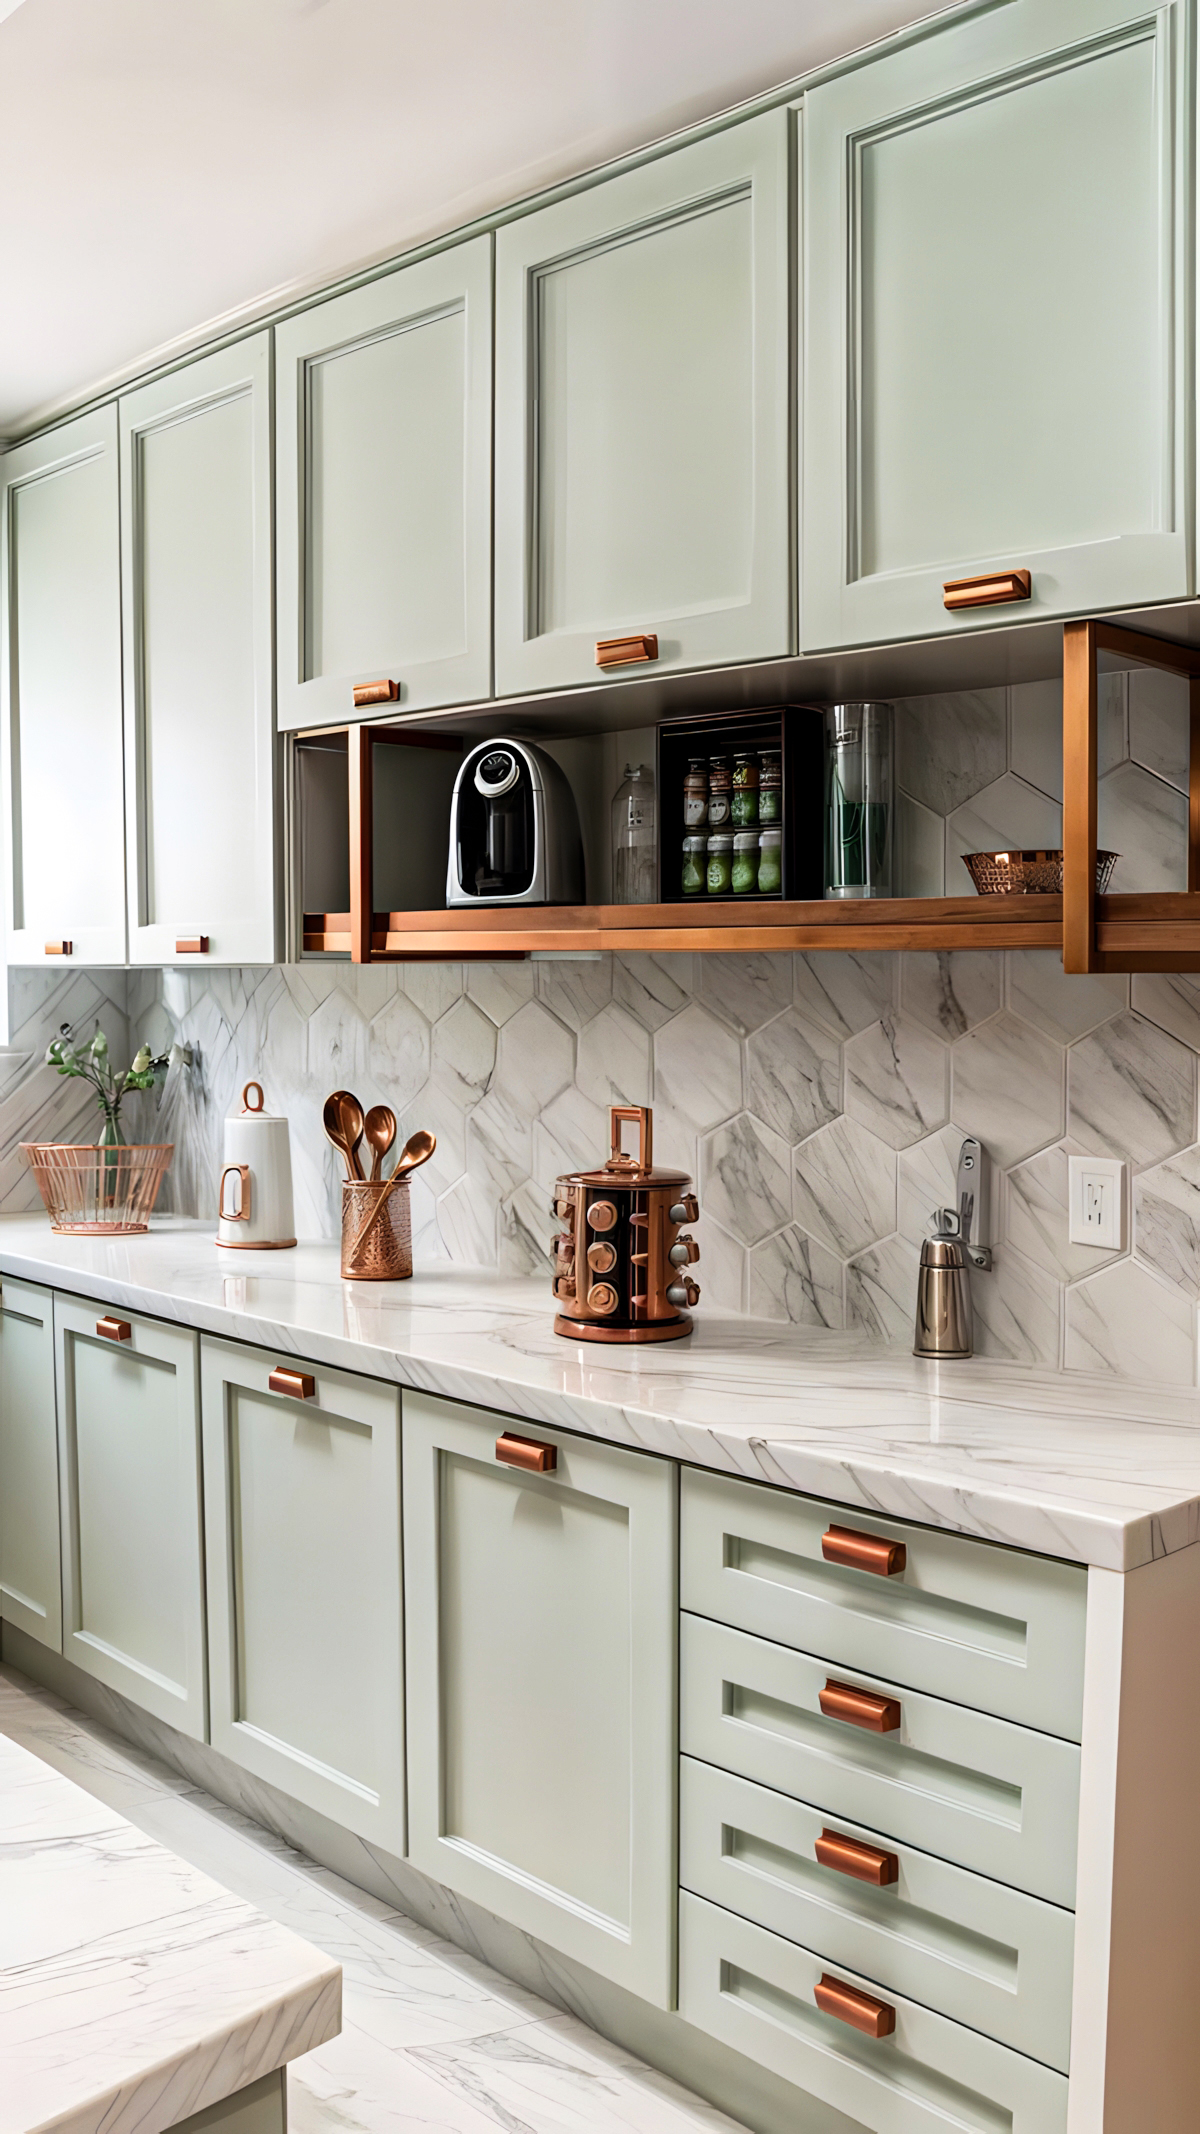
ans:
(381, 1252)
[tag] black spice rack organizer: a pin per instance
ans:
(797, 731)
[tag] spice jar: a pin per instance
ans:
(695, 793)
(720, 863)
(745, 862)
(744, 798)
(695, 864)
(720, 792)
(770, 784)
(770, 863)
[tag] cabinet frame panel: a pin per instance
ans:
(29, 1302)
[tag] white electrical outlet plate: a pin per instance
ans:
(1096, 1202)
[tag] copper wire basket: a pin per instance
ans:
(98, 1191)
(1027, 874)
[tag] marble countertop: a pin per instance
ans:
(134, 1991)
(1091, 1468)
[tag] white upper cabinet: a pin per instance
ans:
(642, 416)
(60, 687)
(199, 738)
(384, 490)
(997, 347)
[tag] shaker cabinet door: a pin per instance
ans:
(642, 416)
(30, 1561)
(302, 1525)
(132, 1539)
(541, 1664)
(60, 689)
(199, 744)
(384, 467)
(997, 346)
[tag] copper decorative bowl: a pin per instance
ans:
(1027, 874)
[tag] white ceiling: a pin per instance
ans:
(166, 163)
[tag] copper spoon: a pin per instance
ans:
(417, 1150)
(379, 1132)
(343, 1117)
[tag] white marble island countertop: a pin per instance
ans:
(1080, 1466)
(134, 1991)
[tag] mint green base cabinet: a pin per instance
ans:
(132, 1536)
(302, 1523)
(199, 736)
(30, 1556)
(541, 1634)
(754, 1991)
(642, 416)
(60, 694)
(997, 336)
(384, 490)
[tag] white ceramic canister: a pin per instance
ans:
(255, 1194)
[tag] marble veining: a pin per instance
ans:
(1081, 1466)
(134, 1990)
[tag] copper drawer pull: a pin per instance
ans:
(192, 945)
(527, 1453)
(114, 1329)
(863, 1552)
(875, 2019)
(847, 1856)
(60, 948)
(859, 1707)
(990, 591)
(626, 651)
(375, 693)
(300, 1384)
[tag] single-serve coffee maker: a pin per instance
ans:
(514, 830)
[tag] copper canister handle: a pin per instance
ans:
(301, 1385)
(990, 591)
(241, 1214)
(860, 1707)
(526, 1452)
(875, 2019)
(191, 945)
(848, 1856)
(863, 1552)
(114, 1329)
(644, 1120)
(626, 651)
(375, 693)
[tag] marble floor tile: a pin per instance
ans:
(432, 2039)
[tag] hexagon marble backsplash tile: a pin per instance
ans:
(818, 1100)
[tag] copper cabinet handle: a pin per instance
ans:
(60, 948)
(191, 945)
(860, 1707)
(526, 1452)
(863, 1552)
(300, 1384)
(990, 591)
(114, 1329)
(875, 2019)
(848, 1856)
(375, 693)
(626, 651)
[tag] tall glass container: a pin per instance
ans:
(858, 800)
(634, 846)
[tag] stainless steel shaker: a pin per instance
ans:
(944, 1326)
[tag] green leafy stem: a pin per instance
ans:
(89, 1059)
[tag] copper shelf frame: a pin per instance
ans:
(1124, 932)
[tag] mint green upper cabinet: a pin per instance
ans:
(199, 740)
(60, 688)
(642, 415)
(997, 346)
(384, 474)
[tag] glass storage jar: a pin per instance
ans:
(695, 794)
(858, 800)
(770, 784)
(720, 863)
(634, 845)
(744, 875)
(720, 792)
(770, 863)
(744, 798)
(695, 865)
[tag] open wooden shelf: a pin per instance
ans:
(891, 923)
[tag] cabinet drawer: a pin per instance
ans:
(985, 1626)
(975, 1950)
(994, 1797)
(754, 1991)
